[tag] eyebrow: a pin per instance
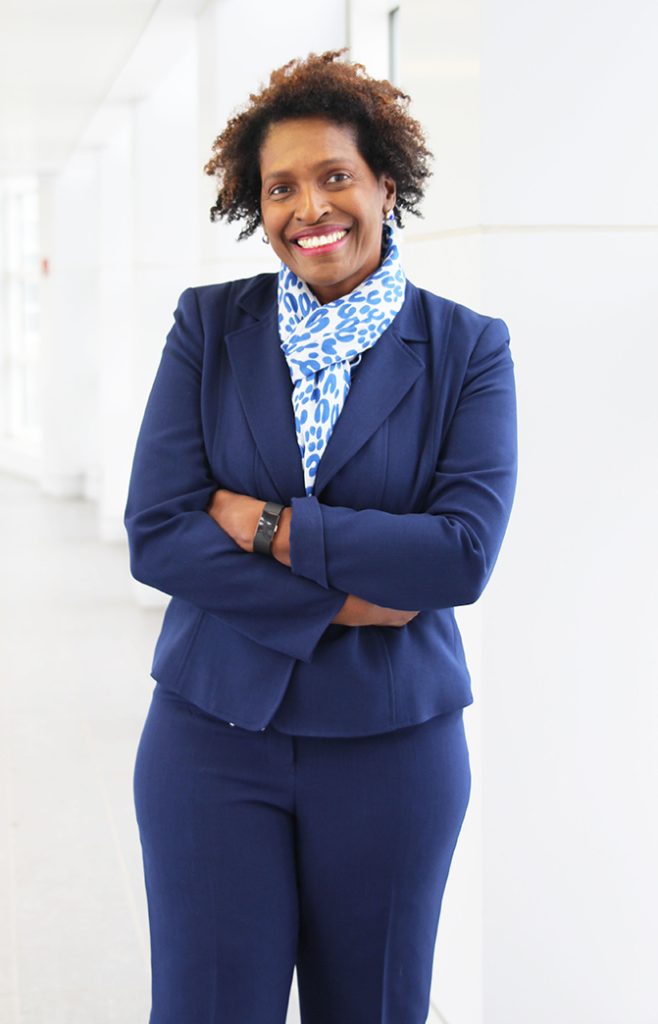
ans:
(318, 166)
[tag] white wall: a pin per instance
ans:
(543, 212)
(571, 905)
(571, 99)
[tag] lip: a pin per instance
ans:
(325, 229)
(319, 249)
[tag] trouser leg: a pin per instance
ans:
(378, 819)
(217, 836)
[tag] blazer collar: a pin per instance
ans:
(387, 372)
(258, 295)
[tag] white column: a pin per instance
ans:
(569, 257)
(116, 320)
(69, 226)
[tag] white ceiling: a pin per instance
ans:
(58, 61)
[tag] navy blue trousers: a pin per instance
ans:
(263, 850)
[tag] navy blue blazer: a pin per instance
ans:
(412, 499)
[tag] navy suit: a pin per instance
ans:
(299, 785)
(411, 502)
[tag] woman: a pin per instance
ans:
(326, 467)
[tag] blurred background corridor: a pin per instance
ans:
(543, 210)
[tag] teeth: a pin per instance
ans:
(316, 240)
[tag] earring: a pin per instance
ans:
(266, 239)
(388, 216)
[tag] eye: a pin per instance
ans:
(275, 191)
(338, 174)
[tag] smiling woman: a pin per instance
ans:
(323, 213)
(303, 773)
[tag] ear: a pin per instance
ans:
(390, 193)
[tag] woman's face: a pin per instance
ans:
(317, 188)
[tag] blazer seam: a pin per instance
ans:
(459, 391)
(199, 318)
(188, 646)
(391, 682)
(453, 623)
(387, 459)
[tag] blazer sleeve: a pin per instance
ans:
(443, 556)
(175, 546)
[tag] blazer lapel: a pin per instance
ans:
(265, 389)
(387, 372)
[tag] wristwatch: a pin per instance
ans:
(268, 524)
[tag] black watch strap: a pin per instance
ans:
(267, 527)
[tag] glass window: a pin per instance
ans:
(394, 45)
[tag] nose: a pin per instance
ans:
(311, 204)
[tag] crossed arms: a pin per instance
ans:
(191, 539)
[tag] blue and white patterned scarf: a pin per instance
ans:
(321, 343)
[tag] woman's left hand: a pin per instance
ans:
(238, 515)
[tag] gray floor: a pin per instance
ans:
(74, 657)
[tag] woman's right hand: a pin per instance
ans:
(357, 612)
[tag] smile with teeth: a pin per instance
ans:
(314, 241)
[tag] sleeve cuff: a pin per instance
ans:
(307, 554)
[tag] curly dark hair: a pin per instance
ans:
(322, 85)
